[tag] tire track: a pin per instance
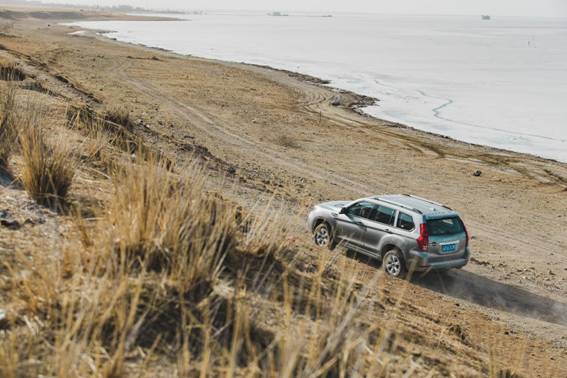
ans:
(214, 128)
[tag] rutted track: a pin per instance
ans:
(214, 128)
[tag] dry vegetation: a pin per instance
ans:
(164, 277)
(119, 116)
(48, 169)
(7, 128)
(11, 73)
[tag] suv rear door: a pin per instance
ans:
(447, 236)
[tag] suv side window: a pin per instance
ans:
(384, 215)
(405, 222)
(362, 209)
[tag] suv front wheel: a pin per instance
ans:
(323, 236)
(394, 263)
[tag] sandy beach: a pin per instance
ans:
(278, 138)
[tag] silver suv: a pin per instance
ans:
(404, 231)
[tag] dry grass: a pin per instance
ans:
(157, 226)
(171, 272)
(11, 72)
(167, 279)
(88, 121)
(117, 127)
(48, 169)
(98, 154)
(8, 133)
(119, 116)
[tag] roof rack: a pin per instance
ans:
(399, 205)
(429, 201)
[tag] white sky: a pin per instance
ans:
(492, 7)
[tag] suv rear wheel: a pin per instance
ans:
(323, 236)
(394, 264)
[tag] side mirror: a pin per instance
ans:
(343, 210)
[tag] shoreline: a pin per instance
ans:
(361, 101)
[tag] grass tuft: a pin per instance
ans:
(165, 223)
(116, 124)
(8, 133)
(119, 116)
(11, 73)
(48, 169)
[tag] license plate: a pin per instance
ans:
(448, 248)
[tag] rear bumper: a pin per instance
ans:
(420, 262)
(443, 265)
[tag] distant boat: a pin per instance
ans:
(278, 14)
(486, 17)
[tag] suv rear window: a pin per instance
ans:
(447, 226)
(405, 222)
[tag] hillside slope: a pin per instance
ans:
(180, 246)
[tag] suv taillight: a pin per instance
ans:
(423, 239)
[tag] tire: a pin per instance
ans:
(394, 263)
(323, 236)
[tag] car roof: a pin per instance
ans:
(427, 208)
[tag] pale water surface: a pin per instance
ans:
(501, 83)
